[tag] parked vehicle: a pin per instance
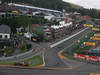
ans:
(21, 64)
(28, 35)
(36, 38)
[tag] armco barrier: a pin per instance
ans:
(18, 57)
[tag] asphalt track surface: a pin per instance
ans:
(51, 56)
(83, 70)
(56, 66)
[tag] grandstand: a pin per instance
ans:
(34, 8)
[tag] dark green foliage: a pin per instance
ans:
(90, 12)
(21, 21)
(29, 46)
(24, 48)
(51, 4)
(9, 51)
(15, 22)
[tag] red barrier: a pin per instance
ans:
(93, 58)
(99, 58)
(86, 57)
(80, 56)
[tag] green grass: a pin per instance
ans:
(83, 38)
(83, 49)
(76, 46)
(6, 63)
(34, 61)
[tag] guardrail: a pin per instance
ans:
(19, 57)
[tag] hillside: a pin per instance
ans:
(75, 6)
(50, 4)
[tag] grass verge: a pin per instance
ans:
(34, 61)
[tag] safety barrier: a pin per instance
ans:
(87, 57)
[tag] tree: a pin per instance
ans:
(51, 4)
(23, 21)
(16, 22)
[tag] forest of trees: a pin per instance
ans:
(51, 4)
(21, 21)
(94, 13)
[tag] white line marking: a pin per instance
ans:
(54, 45)
(43, 58)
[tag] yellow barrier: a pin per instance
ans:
(95, 74)
(88, 25)
(90, 43)
(95, 38)
(15, 12)
(96, 29)
(97, 35)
